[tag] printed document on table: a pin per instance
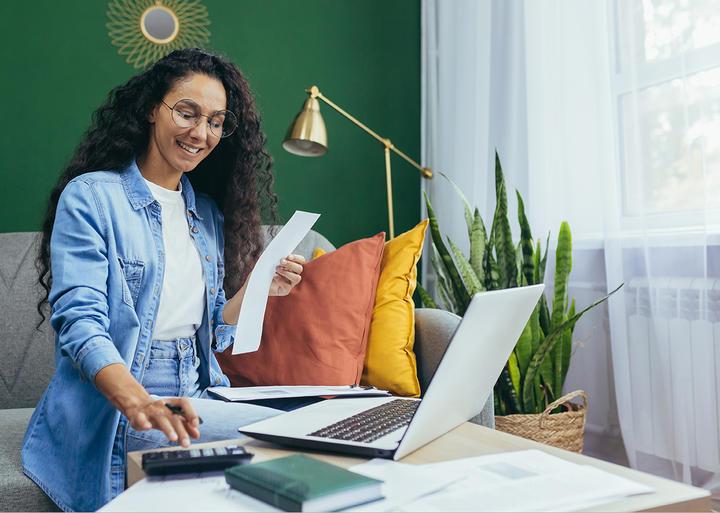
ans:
(252, 311)
(523, 481)
(193, 492)
(285, 392)
(402, 483)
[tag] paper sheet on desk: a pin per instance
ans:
(402, 483)
(524, 481)
(285, 392)
(252, 311)
(195, 492)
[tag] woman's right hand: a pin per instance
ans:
(144, 413)
(153, 414)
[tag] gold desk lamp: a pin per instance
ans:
(307, 137)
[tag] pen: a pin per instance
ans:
(177, 410)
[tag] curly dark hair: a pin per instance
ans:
(237, 174)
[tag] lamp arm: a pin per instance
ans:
(426, 171)
(315, 93)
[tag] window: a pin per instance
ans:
(667, 93)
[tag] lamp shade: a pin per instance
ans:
(307, 135)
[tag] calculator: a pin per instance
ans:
(160, 463)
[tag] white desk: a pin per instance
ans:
(473, 440)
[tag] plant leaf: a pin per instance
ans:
(472, 283)
(547, 376)
(511, 399)
(492, 272)
(447, 300)
(524, 348)
(538, 395)
(496, 399)
(519, 265)
(535, 329)
(443, 287)
(547, 345)
(427, 301)
(462, 298)
(536, 263)
(504, 246)
(514, 372)
(567, 346)
(466, 204)
(543, 262)
(526, 241)
(544, 315)
(563, 266)
(478, 246)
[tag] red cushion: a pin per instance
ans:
(316, 335)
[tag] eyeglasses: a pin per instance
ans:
(188, 114)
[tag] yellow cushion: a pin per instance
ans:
(390, 361)
(318, 252)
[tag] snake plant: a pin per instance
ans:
(534, 375)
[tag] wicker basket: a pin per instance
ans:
(564, 430)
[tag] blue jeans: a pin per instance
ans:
(173, 372)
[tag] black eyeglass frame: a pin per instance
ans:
(200, 114)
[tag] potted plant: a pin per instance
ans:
(528, 394)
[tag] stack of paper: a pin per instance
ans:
(285, 392)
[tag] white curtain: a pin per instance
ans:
(606, 114)
(459, 90)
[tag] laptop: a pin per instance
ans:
(392, 427)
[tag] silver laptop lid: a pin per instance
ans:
(471, 364)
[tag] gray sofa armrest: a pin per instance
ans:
(433, 330)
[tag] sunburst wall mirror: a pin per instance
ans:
(146, 30)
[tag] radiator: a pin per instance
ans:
(674, 350)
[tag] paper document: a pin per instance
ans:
(402, 483)
(194, 492)
(523, 481)
(252, 311)
(284, 392)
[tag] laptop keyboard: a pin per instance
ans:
(370, 425)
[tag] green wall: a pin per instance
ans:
(58, 64)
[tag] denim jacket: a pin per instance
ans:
(107, 274)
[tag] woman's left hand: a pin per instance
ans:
(287, 275)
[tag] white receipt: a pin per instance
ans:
(252, 311)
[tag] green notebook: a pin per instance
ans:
(300, 483)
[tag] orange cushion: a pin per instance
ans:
(390, 360)
(316, 335)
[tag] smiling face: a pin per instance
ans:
(173, 147)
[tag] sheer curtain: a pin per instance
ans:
(607, 114)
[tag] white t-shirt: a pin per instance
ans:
(182, 300)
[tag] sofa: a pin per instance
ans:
(28, 359)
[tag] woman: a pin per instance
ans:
(132, 262)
